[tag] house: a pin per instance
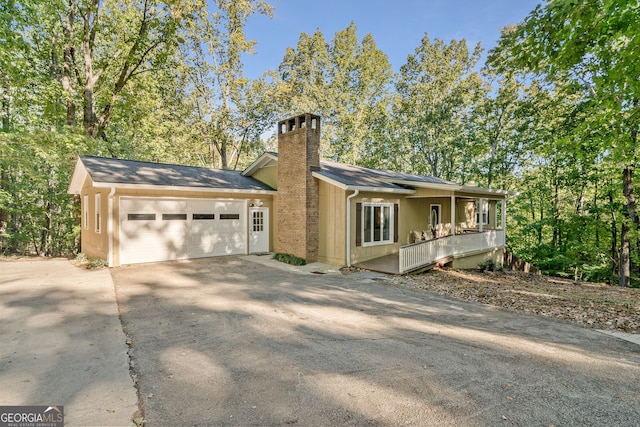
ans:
(289, 202)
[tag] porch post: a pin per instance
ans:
(453, 215)
(504, 214)
(480, 216)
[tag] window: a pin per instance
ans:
(174, 217)
(258, 221)
(141, 217)
(482, 212)
(203, 216)
(85, 213)
(97, 206)
(377, 220)
(229, 216)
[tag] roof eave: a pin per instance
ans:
(77, 179)
(259, 163)
(372, 189)
(181, 188)
(479, 190)
(422, 184)
(453, 187)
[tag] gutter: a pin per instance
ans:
(348, 230)
(110, 228)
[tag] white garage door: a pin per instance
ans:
(166, 229)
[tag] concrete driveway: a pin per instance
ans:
(62, 343)
(228, 341)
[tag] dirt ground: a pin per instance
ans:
(591, 305)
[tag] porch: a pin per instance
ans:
(428, 253)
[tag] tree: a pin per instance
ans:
(498, 130)
(59, 57)
(437, 90)
(347, 82)
(593, 45)
(107, 44)
(228, 109)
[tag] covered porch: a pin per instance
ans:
(442, 228)
(429, 253)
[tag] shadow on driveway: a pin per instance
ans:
(62, 342)
(225, 341)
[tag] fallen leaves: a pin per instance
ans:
(589, 304)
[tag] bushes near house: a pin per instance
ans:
(90, 263)
(488, 265)
(289, 259)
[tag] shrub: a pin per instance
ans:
(488, 265)
(289, 259)
(90, 263)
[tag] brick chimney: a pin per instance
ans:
(298, 195)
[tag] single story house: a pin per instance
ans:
(289, 202)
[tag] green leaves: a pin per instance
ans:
(437, 89)
(347, 82)
(587, 53)
(35, 169)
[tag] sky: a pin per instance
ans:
(397, 26)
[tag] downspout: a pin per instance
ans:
(110, 227)
(348, 230)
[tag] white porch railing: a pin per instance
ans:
(428, 252)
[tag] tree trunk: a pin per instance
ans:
(67, 67)
(614, 238)
(624, 268)
(89, 117)
(630, 217)
(4, 179)
(556, 212)
(6, 102)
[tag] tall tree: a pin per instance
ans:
(498, 130)
(437, 89)
(228, 108)
(107, 44)
(347, 81)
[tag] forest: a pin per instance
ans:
(552, 115)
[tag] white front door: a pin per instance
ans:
(258, 230)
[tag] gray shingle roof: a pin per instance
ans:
(116, 171)
(366, 177)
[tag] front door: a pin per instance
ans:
(259, 230)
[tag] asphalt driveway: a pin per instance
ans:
(228, 341)
(62, 342)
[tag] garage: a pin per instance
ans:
(161, 229)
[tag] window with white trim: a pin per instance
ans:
(98, 212)
(377, 223)
(482, 212)
(85, 211)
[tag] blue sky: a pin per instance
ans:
(396, 25)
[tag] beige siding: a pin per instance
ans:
(418, 216)
(267, 175)
(428, 192)
(94, 244)
(472, 261)
(466, 214)
(332, 224)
